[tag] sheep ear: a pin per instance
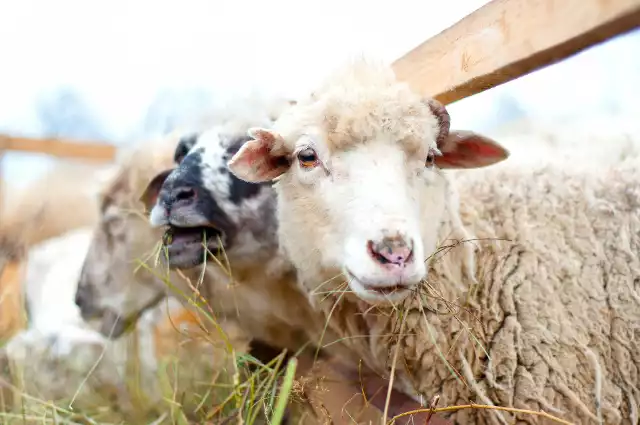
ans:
(260, 160)
(150, 195)
(185, 144)
(466, 149)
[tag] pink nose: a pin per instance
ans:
(391, 252)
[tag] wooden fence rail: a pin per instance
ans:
(90, 151)
(506, 39)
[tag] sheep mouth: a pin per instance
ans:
(387, 289)
(376, 293)
(186, 246)
(113, 324)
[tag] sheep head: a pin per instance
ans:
(201, 205)
(360, 188)
(113, 288)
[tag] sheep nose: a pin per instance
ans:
(81, 296)
(84, 301)
(391, 251)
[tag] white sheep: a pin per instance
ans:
(52, 358)
(541, 312)
(61, 200)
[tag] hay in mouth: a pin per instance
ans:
(174, 235)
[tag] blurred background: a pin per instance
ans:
(124, 72)
(121, 71)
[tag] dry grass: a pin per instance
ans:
(190, 393)
(234, 389)
(208, 380)
(219, 397)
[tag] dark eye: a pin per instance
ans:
(431, 159)
(115, 224)
(308, 158)
(113, 220)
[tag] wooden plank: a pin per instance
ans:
(12, 317)
(62, 148)
(506, 39)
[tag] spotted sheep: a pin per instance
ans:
(203, 208)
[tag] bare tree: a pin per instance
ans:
(171, 108)
(64, 113)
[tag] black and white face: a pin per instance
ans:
(202, 204)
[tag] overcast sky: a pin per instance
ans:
(120, 53)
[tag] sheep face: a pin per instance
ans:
(360, 187)
(202, 201)
(110, 289)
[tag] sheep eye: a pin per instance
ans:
(308, 158)
(431, 159)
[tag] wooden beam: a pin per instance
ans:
(506, 39)
(12, 311)
(61, 148)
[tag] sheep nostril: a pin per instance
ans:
(391, 251)
(185, 193)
